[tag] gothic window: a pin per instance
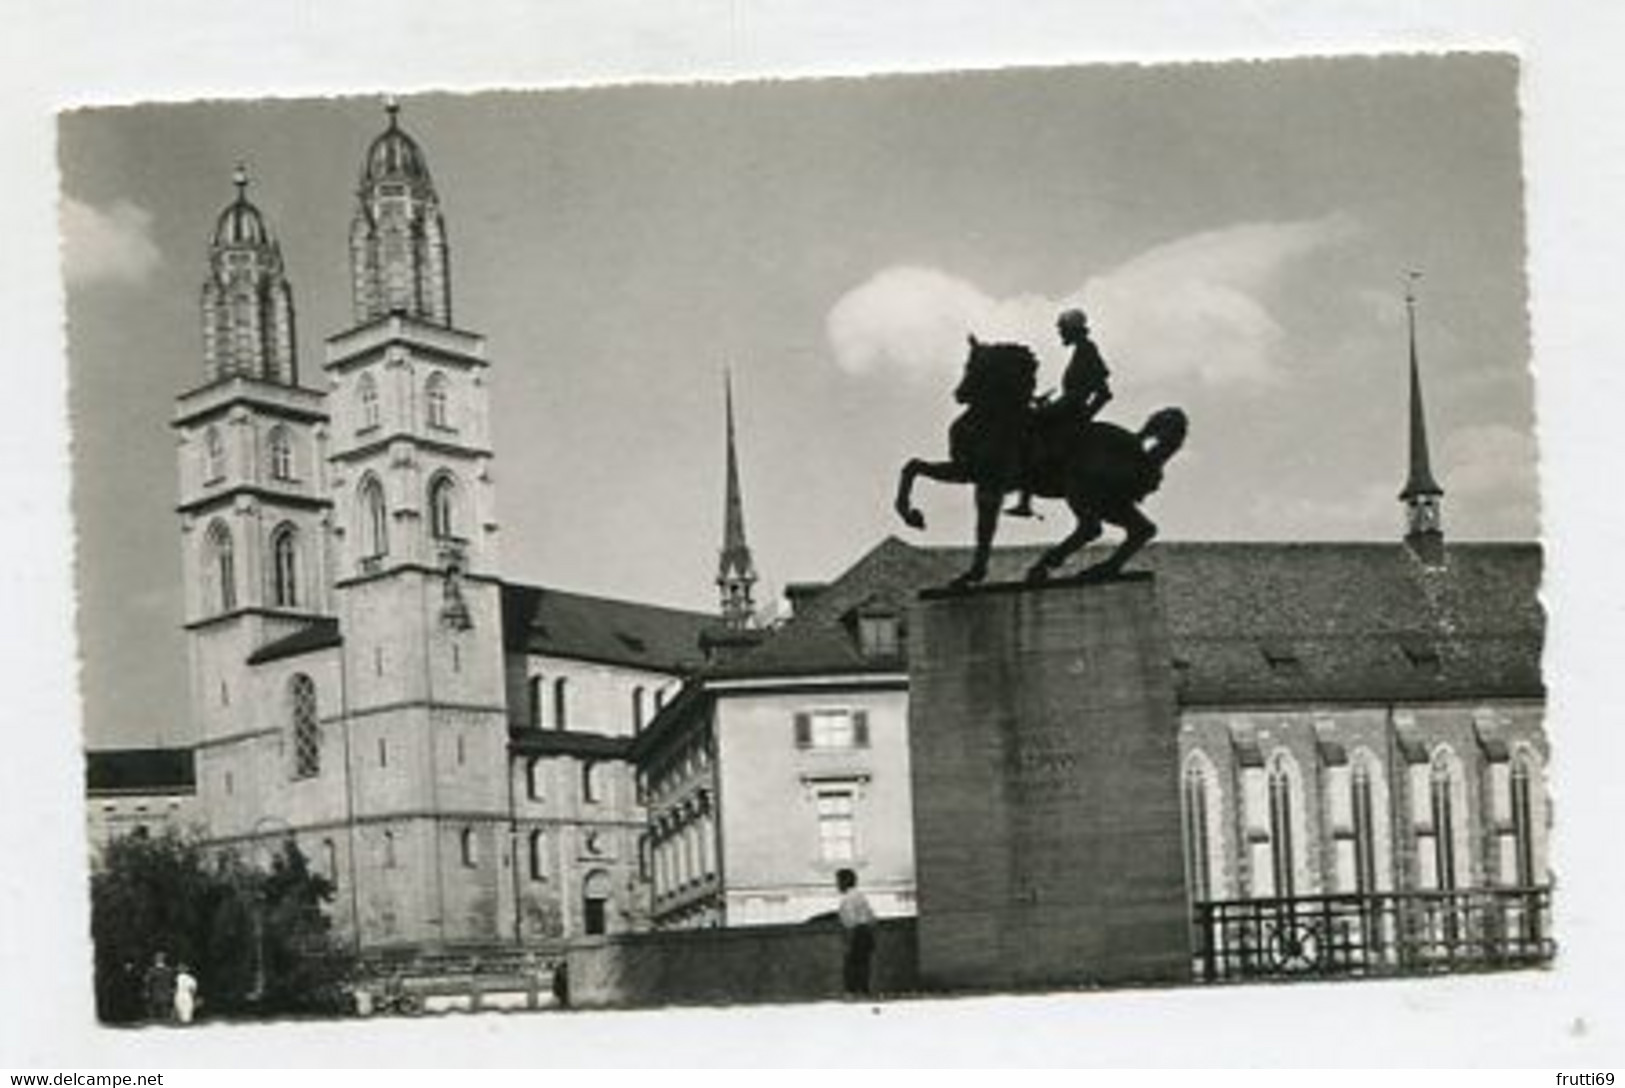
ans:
(837, 837)
(1442, 799)
(1363, 812)
(470, 850)
(1282, 829)
(220, 569)
(285, 567)
(281, 454)
(561, 704)
(637, 708)
(1524, 809)
(307, 737)
(533, 779)
(591, 787)
(435, 396)
(374, 519)
(214, 456)
(538, 855)
(442, 507)
(367, 394)
(1197, 858)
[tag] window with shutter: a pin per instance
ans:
(860, 728)
(803, 730)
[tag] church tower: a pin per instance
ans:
(417, 573)
(1422, 495)
(254, 508)
(736, 570)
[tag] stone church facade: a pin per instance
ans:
(448, 748)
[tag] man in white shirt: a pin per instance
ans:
(857, 922)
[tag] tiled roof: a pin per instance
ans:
(550, 621)
(140, 770)
(1253, 622)
(556, 742)
(317, 635)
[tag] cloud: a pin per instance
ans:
(107, 245)
(1194, 307)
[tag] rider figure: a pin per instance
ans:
(1084, 390)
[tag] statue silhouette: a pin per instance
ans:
(1102, 471)
(1085, 390)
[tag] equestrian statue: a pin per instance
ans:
(1004, 441)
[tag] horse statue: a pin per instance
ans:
(1102, 471)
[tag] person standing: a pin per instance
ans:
(858, 926)
(159, 986)
(185, 995)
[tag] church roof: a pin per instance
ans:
(317, 635)
(140, 770)
(1248, 622)
(540, 620)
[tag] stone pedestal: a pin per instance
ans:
(1045, 763)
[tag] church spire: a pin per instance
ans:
(736, 571)
(399, 257)
(247, 304)
(1424, 529)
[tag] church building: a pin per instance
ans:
(449, 748)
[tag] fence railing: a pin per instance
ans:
(1383, 933)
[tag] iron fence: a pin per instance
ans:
(1382, 933)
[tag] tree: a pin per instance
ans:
(258, 941)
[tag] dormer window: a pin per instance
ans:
(878, 636)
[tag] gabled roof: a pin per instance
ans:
(1253, 622)
(140, 770)
(539, 620)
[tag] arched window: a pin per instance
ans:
(220, 569)
(1283, 829)
(1198, 830)
(533, 779)
(538, 855)
(443, 507)
(285, 567)
(389, 849)
(435, 397)
(330, 861)
(470, 849)
(281, 453)
(1444, 779)
(591, 787)
(637, 709)
(307, 736)
(561, 703)
(214, 455)
(374, 514)
(1363, 814)
(367, 394)
(1525, 809)
(537, 696)
(595, 902)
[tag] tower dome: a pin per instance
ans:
(394, 155)
(241, 224)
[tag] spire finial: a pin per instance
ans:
(1423, 525)
(736, 572)
(392, 106)
(239, 178)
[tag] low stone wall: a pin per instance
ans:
(732, 966)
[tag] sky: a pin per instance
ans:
(1238, 233)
